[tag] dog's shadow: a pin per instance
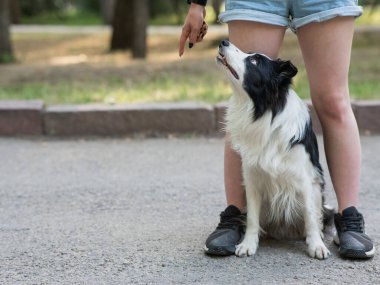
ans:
(269, 246)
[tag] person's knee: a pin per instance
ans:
(332, 105)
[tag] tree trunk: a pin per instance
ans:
(130, 27)
(122, 25)
(140, 25)
(15, 11)
(108, 9)
(6, 53)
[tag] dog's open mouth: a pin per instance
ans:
(222, 59)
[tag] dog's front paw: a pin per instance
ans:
(246, 249)
(318, 250)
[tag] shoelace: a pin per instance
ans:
(352, 224)
(229, 222)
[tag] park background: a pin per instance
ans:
(115, 51)
(131, 209)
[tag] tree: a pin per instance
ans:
(140, 25)
(122, 25)
(130, 27)
(6, 53)
(107, 9)
(15, 11)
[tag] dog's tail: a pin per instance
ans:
(328, 216)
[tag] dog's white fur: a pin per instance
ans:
(283, 188)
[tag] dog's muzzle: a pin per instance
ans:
(221, 58)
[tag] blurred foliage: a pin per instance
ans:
(82, 12)
(33, 7)
(157, 7)
(6, 58)
(168, 7)
(62, 9)
(369, 2)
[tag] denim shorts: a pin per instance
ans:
(288, 13)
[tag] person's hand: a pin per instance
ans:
(194, 28)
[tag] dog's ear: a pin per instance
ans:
(287, 69)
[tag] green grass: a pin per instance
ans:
(369, 17)
(363, 90)
(116, 90)
(163, 88)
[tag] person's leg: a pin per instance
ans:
(326, 49)
(247, 36)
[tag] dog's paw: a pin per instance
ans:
(246, 249)
(318, 250)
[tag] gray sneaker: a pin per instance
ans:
(227, 234)
(351, 237)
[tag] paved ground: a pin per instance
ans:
(126, 211)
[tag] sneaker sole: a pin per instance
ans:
(219, 251)
(350, 253)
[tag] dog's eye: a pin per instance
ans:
(255, 58)
(254, 61)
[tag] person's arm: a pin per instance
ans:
(193, 24)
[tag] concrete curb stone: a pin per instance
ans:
(21, 117)
(99, 119)
(220, 112)
(368, 116)
(30, 117)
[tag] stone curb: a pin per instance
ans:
(98, 119)
(21, 117)
(367, 114)
(33, 118)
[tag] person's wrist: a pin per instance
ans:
(197, 2)
(197, 8)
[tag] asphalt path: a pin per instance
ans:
(137, 211)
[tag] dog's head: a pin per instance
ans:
(264, 80)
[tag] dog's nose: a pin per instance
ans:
(224, 43)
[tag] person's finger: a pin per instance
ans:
(182, 41)
(193, 36)
(202, 32)
(200, 37)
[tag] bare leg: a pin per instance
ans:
(233, 181)
(247, 36)
(326, 49)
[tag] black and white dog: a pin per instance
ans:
(270, 127)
